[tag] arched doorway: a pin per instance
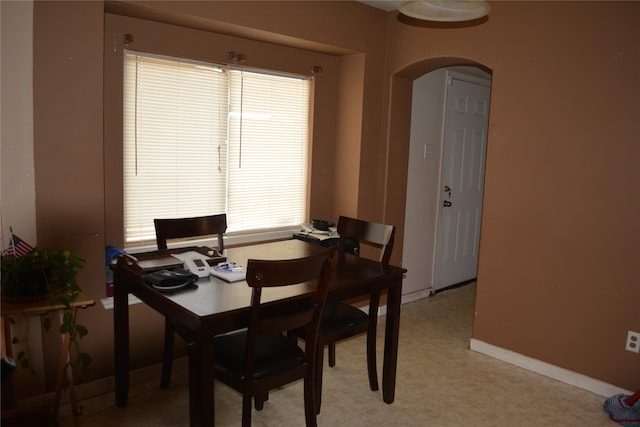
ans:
(419, 230)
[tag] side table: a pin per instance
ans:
(40, 308)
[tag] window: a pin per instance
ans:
(203, 139)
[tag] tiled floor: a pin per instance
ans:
(440, 383)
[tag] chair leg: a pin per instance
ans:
(246, 410)
(259, 401)
(318, 377)
(309, 409)
(372, 367)
(332, 354)
(371, 359)
(167, 359)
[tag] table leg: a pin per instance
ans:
(121, 341)
(392, 329)
(201, 381)
(64, 374)
(8, 399)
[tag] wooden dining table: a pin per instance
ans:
(216, 306)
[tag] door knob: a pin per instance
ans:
(447, 190)
(446, 204)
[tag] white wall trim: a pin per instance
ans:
(566, 376)
(414, 296)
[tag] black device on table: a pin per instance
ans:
(351, 246)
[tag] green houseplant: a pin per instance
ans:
(45, 274)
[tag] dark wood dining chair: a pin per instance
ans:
(183, 228)
(261, 358)
(342, 320)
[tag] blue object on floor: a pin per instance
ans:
(624, 409)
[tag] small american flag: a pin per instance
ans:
(18, 247)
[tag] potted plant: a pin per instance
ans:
(42, 274)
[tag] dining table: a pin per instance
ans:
(214, 306)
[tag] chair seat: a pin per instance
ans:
(274, 353)
(339, 318)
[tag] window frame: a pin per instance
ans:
(175, 40)
(236, 91)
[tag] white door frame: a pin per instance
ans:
(470, 78)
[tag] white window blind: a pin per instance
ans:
(200, 139)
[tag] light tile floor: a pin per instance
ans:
(440, 382)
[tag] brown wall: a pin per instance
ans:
(76, 123)
(558, 248)
(559, 258)
(67, 87)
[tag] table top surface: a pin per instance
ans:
(214, 296)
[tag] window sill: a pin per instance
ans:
(230, 240)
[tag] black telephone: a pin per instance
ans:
(322, 225)
(171, 280)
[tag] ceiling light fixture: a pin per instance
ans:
(445, 10)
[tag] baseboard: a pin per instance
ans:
(138, 376)
(543, 368)
(415, 296)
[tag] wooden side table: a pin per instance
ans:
(41, 308)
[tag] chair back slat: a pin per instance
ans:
(268, 273)
(371, 233)
(182, 228)
(315, 269)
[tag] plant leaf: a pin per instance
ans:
(85, 359)
(67, 323)
(81, 330)
(24, 363)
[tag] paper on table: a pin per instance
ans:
(234, 275)
(308, 231)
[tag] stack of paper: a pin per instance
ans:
(229, 273)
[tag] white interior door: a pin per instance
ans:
(462, 182)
